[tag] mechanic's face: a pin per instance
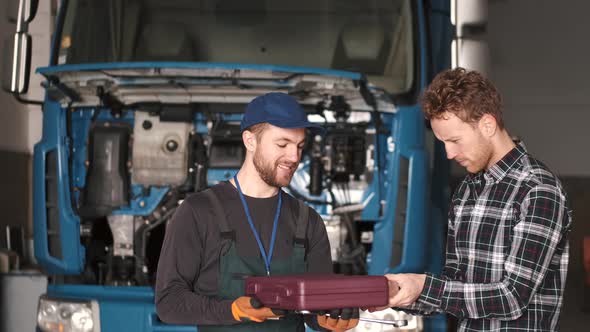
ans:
(464, 142)
(277, 154)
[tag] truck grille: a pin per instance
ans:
(51, 205)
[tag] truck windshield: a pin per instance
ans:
(372, 37)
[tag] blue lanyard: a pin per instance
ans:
(267, 258)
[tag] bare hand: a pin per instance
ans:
(393, 290)
(410, 287)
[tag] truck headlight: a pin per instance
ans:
(67, 316)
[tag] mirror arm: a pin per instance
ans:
(22, 100)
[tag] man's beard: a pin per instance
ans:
(268, 172)
(482, 157)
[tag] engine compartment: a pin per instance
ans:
(131, 169)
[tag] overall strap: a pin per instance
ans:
(219, 212)
(302, 222)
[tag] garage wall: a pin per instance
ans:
(541, 63)
(20, 125)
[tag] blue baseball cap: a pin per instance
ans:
(278, 109)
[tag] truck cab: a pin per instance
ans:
(142, 108)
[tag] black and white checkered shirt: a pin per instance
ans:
(507, 249)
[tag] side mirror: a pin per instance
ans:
(16, 67)
(470, 49)
(30, 10)
(27, 9)
(17, 63)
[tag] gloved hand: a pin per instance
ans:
(246, 309)
(339, 320)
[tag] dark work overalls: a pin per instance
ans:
(233, 269)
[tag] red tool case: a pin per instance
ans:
(318, 292)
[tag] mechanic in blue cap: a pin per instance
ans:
(247, 227)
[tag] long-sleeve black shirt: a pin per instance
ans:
(188, 269)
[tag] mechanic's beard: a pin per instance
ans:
(268, 172)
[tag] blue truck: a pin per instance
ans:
(142, 108)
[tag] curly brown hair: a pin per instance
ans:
(467, 94)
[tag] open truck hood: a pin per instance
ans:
(181, 83)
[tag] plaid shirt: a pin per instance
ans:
(507, 249)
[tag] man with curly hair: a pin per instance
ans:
(508, 225)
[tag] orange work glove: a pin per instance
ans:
(339, 320)
(249, 309)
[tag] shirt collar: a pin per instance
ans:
(499, 170)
